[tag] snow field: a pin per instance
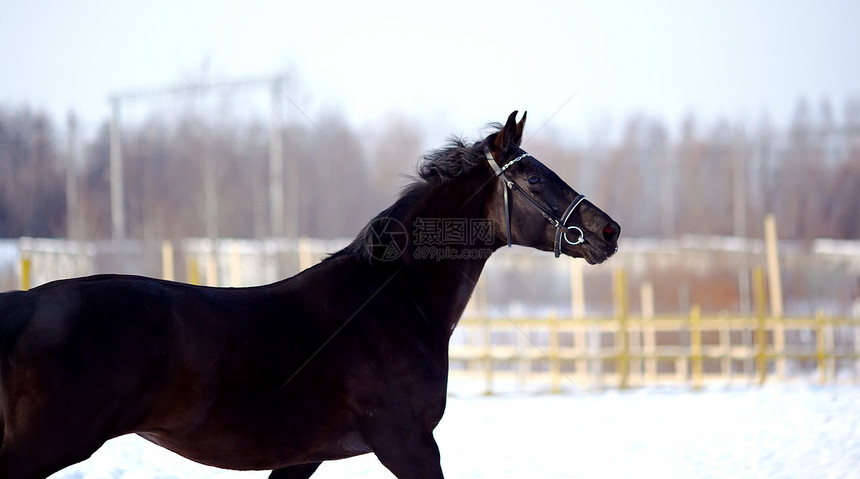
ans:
(771, 432)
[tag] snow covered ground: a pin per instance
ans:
(776, 431)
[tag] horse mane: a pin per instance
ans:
(440, 165)
(449, 162)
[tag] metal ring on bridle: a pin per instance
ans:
(564, 228)
(581, 235)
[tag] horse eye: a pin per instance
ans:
(534, 179)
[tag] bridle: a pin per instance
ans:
(559, 223)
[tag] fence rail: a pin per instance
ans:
(563, 353)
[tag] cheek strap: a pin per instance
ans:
(562, 230)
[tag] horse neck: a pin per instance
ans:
(448, 279)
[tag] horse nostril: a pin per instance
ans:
(610, 233)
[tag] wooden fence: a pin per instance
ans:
(559, 354)
(625, 350)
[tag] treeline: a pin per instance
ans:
(721, 179)
(166, 163)
(715, 179)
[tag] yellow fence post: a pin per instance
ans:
(622, 339)
(26, 266)
(829, 354)
(212, 267)
(696, 346)
(820, 348)
(193, 272)
(488, 356)
(167, 261)
(760, 333)
(577, 310)
(856, 349)
(235, 265)
(648, 331)
(554, 355)
(778, 351)
(773, 271)
(305, 253)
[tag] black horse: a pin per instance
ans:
(345, 358)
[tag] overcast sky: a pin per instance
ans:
(445, 62)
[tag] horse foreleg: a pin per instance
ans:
(45, 437)
(408, 453)
(34, 458)
(302, 471)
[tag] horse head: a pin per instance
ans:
(533, 207)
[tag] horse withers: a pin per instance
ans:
(345, 358)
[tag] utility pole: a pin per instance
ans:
(276, 164)
(292, 193)
(666, 165)
(739, 186)
(739, 214)
(117, 189)
(210, 190)
(72, 230)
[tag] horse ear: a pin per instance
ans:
(520, 127)
(511, 134)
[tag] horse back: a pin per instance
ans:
(75, 328)
(15, 310)
(149, 330)
(108, 339)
